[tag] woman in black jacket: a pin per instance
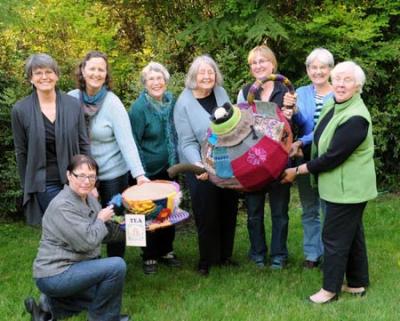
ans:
(48, 129)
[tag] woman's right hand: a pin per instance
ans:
(106, 213)
(201, 177)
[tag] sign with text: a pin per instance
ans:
(135, 230)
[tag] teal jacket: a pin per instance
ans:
(154, 133)
(354, 181)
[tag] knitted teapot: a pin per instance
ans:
(247, 145)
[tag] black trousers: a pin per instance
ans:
(159, 242)
(345, 252)
(215, 211)
(107, 189)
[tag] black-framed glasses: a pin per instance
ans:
(82, 177)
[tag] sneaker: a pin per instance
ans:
(170, 260)
(260, 264)
(150, 267)
(278, 264)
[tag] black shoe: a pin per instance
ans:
(203, 269)
(229, 262)
(124, 317)
(170, 260)
(36, 313)
(150, 267)
(32, 308)
(307, 264)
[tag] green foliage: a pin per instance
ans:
(173, 32)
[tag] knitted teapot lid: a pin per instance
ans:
(224, 119)
(231, 125)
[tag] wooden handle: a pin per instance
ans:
(173, 171)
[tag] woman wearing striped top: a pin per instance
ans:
(310, 100)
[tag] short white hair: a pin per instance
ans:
(352, 67)
(154, 66)
(191, 77)
(322, 55)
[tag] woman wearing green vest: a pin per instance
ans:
(343, 166)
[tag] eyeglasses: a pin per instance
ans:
(82, 177)
(40, 74)
(345, 81)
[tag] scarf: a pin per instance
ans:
(164, 109)
(92, 104)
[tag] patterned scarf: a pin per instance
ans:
(164, 109)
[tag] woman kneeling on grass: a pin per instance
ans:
(342, 160)
(68, 269)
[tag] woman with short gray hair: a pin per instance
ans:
(48, 129)
(310, 100)
(342, 166)
(155, 136)
(214, 208)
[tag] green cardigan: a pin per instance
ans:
(354, 181)
(154, 133)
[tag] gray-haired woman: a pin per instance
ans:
(155, 136)
(310, 100)
(48, 129)
(342, 159)
(214, 208)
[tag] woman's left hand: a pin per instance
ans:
(142, 179)
(289, 175)
(94, 192)
(287, 112)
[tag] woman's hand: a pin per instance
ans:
(106, 213)
(287, 112)
(295, 149)
(142, 179)
(289, 100)
(94, 192)
(201, 177)
(289, 175)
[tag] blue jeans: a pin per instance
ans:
(311, 205)
(279, 197)
(93, 285)
(44, 198)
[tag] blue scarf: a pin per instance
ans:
(164, 109)
(96, 99)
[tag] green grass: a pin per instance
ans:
(243, 293)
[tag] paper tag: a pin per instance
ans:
(135, 230)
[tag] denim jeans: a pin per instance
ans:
(311, 205)
(93, 285)
(44, 198)
(107, 189)
(279, 197)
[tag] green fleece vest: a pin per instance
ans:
(354, 181)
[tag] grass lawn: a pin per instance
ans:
(242, 293)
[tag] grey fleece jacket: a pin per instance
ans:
(71, 233)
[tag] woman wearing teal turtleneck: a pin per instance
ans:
(111, 141)
(154, 133)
